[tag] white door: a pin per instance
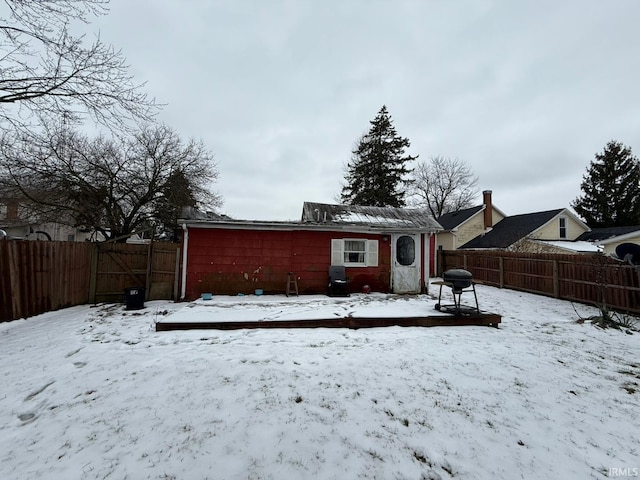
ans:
(405, 263)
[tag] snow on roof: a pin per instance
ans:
(415, 218)
(359, 217)
(318, 216)
(573, 246)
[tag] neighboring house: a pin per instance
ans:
(551, 231)
(609, 238)
(17, 223)
(464, 225)
(388, 249)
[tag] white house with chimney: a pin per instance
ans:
(464, 225)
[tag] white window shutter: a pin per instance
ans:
(372, 253)
(337, 251)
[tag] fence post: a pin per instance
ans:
(556, 280)
(501, 266)
(14, 275)
(94, 273)
(464, 261)
(439, 260)
(6, 307)
(176, 279)
(148, 280)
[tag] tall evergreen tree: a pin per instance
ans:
(611, 189)
(376, 174)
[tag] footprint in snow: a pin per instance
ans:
(35, 393)
(71, 354)
(26, 418)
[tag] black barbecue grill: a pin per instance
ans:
(459, 281)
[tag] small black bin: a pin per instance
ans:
(134, 298)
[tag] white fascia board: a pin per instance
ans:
(292, 226)
(457, 227)
(577, 219)
(499, 211)
(564, 213)
(620, 238)
(481, 211)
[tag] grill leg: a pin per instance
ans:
(456, 301)
(476, 297)
(439, 299)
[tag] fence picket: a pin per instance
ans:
(39, 276)
(593, 279)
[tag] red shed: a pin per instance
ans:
(389, 249)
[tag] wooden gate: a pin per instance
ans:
(117, 266)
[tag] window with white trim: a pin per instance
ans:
(354, 252)
(562, 222)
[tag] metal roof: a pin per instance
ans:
(327, 217)
(384, 218)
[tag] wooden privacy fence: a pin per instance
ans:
(594, 279)
(38, 276)
(116, 266)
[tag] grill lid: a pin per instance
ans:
(457, 274)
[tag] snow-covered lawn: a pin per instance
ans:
(96, 392)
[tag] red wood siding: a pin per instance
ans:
(228, 262)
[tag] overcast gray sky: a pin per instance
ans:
(525, 92)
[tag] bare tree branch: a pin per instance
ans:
(111, 185)
(46, 72)
(443, 185)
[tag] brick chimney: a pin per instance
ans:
(488, 209)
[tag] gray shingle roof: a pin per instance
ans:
(597, 234)
(511, 229)
(451, 220)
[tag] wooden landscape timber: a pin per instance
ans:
(482, 319)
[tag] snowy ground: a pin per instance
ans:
(307, 307)
(95, 393)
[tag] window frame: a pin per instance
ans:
(346, 253)
(563, 225)
(339, 251)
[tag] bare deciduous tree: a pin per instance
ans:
(47, 72)
(114, 186)
(443, 185)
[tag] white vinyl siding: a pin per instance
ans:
(354, 252)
